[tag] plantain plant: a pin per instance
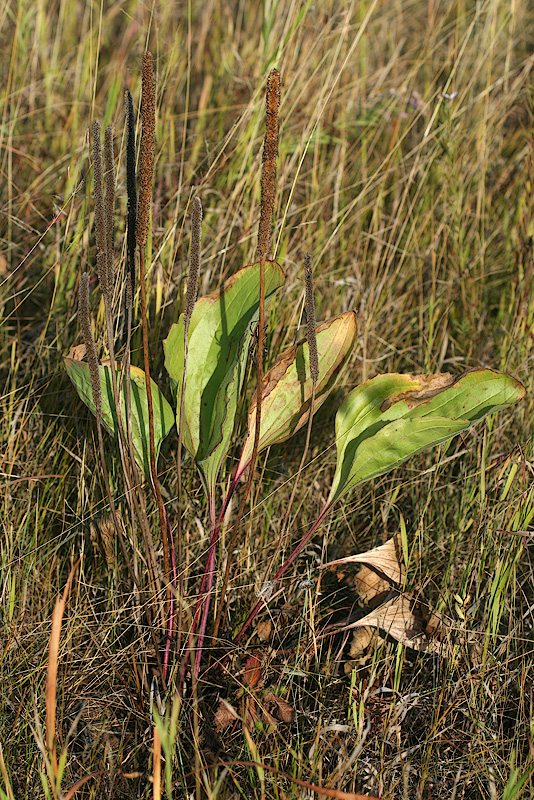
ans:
(379, 425)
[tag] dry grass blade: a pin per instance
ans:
(5, 776)
(337, 794)
(311, 324)
(78, 785)
(52, 669)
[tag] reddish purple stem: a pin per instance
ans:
(170, 629)
(287, 563)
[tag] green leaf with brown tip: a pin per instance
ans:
(391, 417)
(287, 386)
(78, 372)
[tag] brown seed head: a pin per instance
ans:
(146, 164)
(100, 214)
(269, 156)
(194, 261)
(109, 167)
(310, 318)
(85, 323)
(131, 191)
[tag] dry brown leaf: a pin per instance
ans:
(362, 639)
(280, 708)
(103, 533)
(250, 712)
(52, 670)
(77, 353)
(384, 558)
(397, 619)
(252, 672)
(268, 717)
(224, 716)
(264, 630)
(371, 587)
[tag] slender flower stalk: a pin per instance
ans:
(146, 173)
(285, 566)
(268, 175)
(131, 191)
(190, 300)
(268, 194)
(194, 262)
(263, 253)
(148, 144)
(311, 335)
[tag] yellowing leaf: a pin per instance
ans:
(78, 372)
(287, 386)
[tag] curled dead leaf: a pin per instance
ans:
(370, 586)
(362, 640)
(103, 534)
(77, 352)
(252, 672)
(224, 716)
(250, 712)
(264, 630)
(268, 717)
(396, 617)
(384, 558)
(281, 710)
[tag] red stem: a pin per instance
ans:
(287, 563)
(208, 576)
(170, 629)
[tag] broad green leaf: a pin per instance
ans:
(287, 386)
(391, 417)
(78, 372)
(219, 335)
